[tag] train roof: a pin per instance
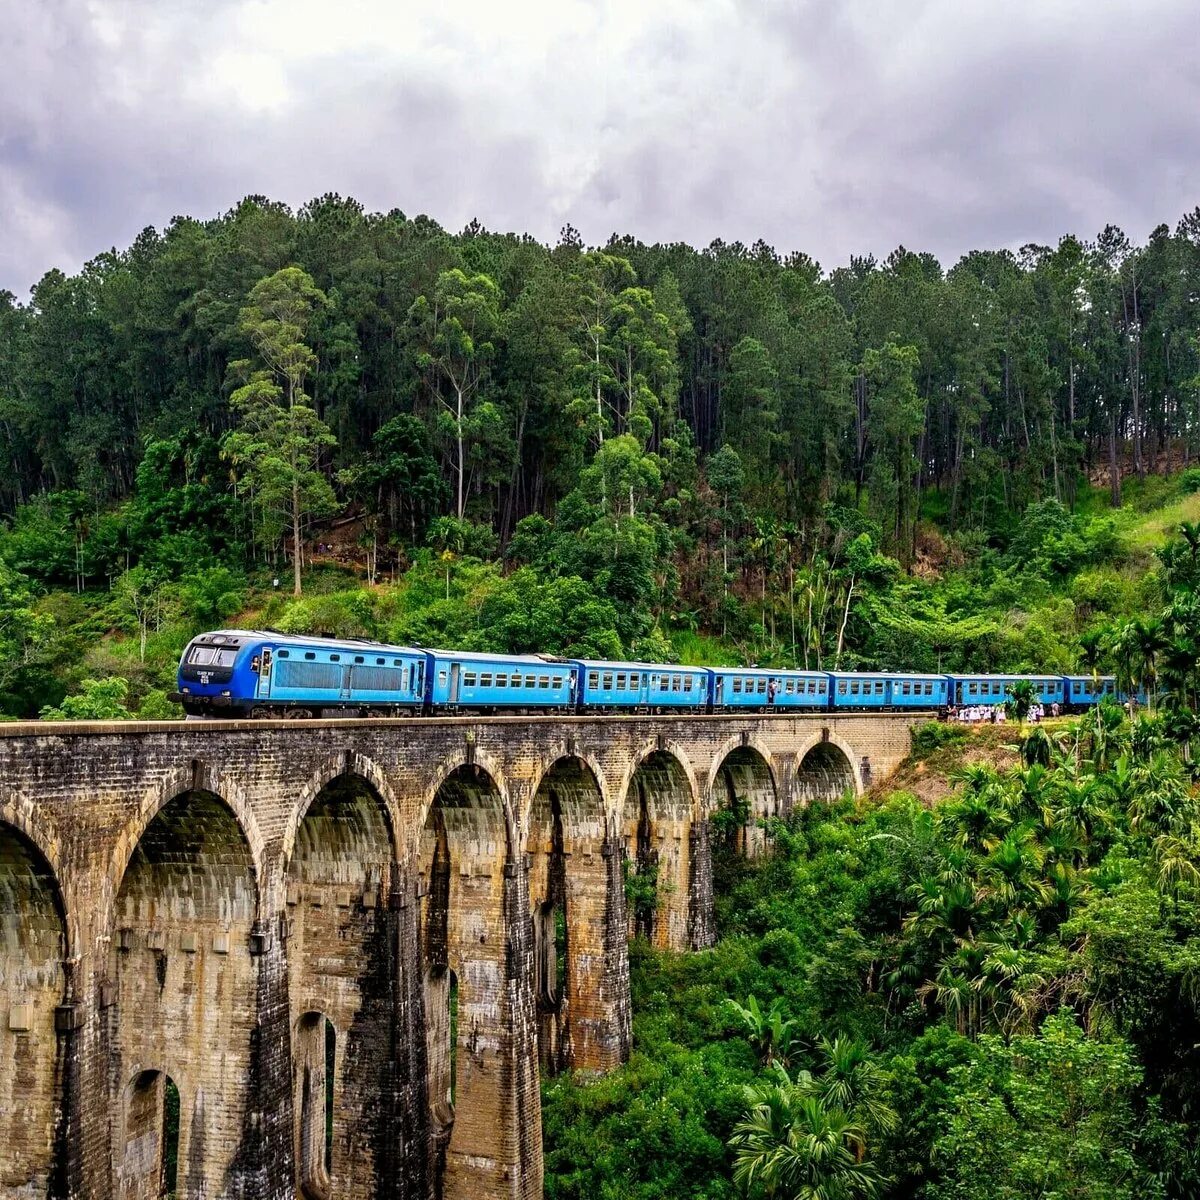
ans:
(774, 672)
(998, 675)
(537, 660)
(886, 674)
(303, 639)
(605, 664)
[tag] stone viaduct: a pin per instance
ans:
(269, 959)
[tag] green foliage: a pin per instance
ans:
(935, 735)
(97, 700)
(995, 998)
(1047, 1114)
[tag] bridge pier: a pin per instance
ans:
(216, 932)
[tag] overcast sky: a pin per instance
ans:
(829, 126)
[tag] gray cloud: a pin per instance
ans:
(833, 127)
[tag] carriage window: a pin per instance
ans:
(358, 658)
(544, 681)
(309, 655)
(502, 681)
(530, 681)
(854, 688)
(879, 687)
(842, 688)
(608, 681)
(737, 685)
(442, 678)
(284, 654)
(404, 681)
(468, 679)
(485, 680)
(381, 662)
(593, 679)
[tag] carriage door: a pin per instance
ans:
(346, 681)
(263, 689)
(454, 671)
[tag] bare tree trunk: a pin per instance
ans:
(296, 585)
(837, 659)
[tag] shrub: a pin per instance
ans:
(933, 735)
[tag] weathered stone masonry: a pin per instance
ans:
(265, 959)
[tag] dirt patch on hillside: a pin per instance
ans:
(929, 777)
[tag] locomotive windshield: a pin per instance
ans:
(212, 656)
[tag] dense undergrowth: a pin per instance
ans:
(996, 998)
(1055, 595)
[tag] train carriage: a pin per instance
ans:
(1083, 691)
(969, 690)
(461, 680)
(858, 689)
(640, 686)
(918, 691)
(736, 688)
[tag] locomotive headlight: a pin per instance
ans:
(187, 691)
(226, 693)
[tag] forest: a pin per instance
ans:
(715, 455)
(337, 422)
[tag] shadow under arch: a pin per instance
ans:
(197, 779)
(186, 975)
(571, 898)
(742, 795)
(36, 1088)
(343, 966)
(825, 771)
(352, 765)
(478, 1005)
(656, 823)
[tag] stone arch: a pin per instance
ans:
(655, 823)
(477, 963)
(198, 777)
(825, 770)
(184, 972)
(353, 764)
(342, 965)
(743, 783)
(571, 899)
(33, 982)
(477, 766)
(147, 1156)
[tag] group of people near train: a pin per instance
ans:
(997, 714)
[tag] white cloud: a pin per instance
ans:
(833, 126)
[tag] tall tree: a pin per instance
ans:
(279, 441)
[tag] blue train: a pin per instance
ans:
(237, 672)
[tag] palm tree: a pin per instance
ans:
(1190, 532)
(848, 1079)
(767, 1030)
(1150, 641)
(790, 1146)
(1175, 857)
(1091, 650)
(1022, 697)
